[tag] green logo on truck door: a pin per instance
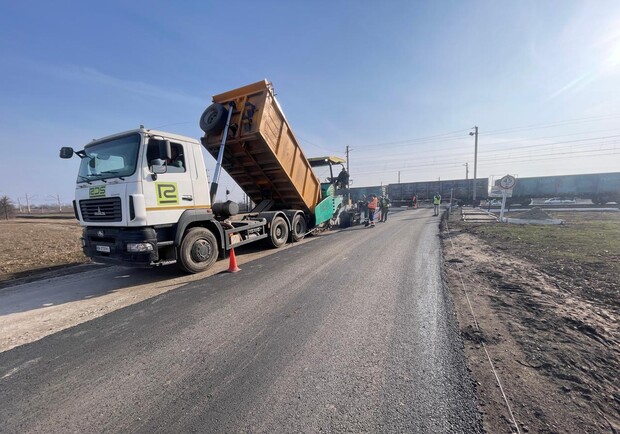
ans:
(167, 193)
(94, 192)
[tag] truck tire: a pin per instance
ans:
(346, 220)
(213, 119)
(198, 250)
(298, 228)
(278, 232)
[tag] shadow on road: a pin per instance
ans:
(86, 285)
(96, 280)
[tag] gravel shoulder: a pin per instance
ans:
(545, 301)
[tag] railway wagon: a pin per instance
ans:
(360, 193)
(461, 190)
(599, 187)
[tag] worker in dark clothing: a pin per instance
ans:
(414, 201)
(343, 179)
(175, 162)
(384, 205)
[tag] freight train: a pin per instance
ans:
(598, 187)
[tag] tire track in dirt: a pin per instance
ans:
(556, 351)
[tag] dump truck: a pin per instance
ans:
(144, 199)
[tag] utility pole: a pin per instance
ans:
(399, 176)
(466, 179)
(475, 134)
(348, 177)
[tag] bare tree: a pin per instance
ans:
(6, 207)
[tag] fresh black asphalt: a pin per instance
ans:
(352, 332)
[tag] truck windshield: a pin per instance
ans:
(114, 158)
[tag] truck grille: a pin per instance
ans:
(101, 210)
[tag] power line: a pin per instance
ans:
(550, 137)
(409, 141)
(554, 124)
(313, 144)
(566, 143)
(517, 158)
(525, 139)
(443, 137)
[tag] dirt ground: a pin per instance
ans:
(544, 302)
(31, 246)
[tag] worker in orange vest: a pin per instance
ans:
(373, 202)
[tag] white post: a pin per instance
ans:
(501, 213)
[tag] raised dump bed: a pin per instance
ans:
(261, 154)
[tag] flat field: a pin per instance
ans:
(30, 246)
(545, 302)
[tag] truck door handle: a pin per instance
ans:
(187, 197)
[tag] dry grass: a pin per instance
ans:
(548, 302)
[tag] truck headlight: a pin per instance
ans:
(139, 247)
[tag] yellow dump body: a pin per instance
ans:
(262, 154)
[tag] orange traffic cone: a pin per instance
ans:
(232, 267)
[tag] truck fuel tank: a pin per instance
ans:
(225, 209)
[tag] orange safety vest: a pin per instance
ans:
(373, 203)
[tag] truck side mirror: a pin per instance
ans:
(66, 152)
(166, 152)
(158, 166)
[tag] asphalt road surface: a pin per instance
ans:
(352, 332)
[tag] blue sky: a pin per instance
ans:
(400, 82)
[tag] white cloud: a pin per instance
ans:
(95, 77)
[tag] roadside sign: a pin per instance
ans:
(507, 182)
(497, 191)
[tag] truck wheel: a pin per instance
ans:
(299, 228)
(198, 250)
(279, 232)
(213, 119)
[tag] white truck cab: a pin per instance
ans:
(134, 189)
(140, 178)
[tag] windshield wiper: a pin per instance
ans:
(84, 179)
(113, 172)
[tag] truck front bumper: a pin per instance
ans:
(109, 245)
